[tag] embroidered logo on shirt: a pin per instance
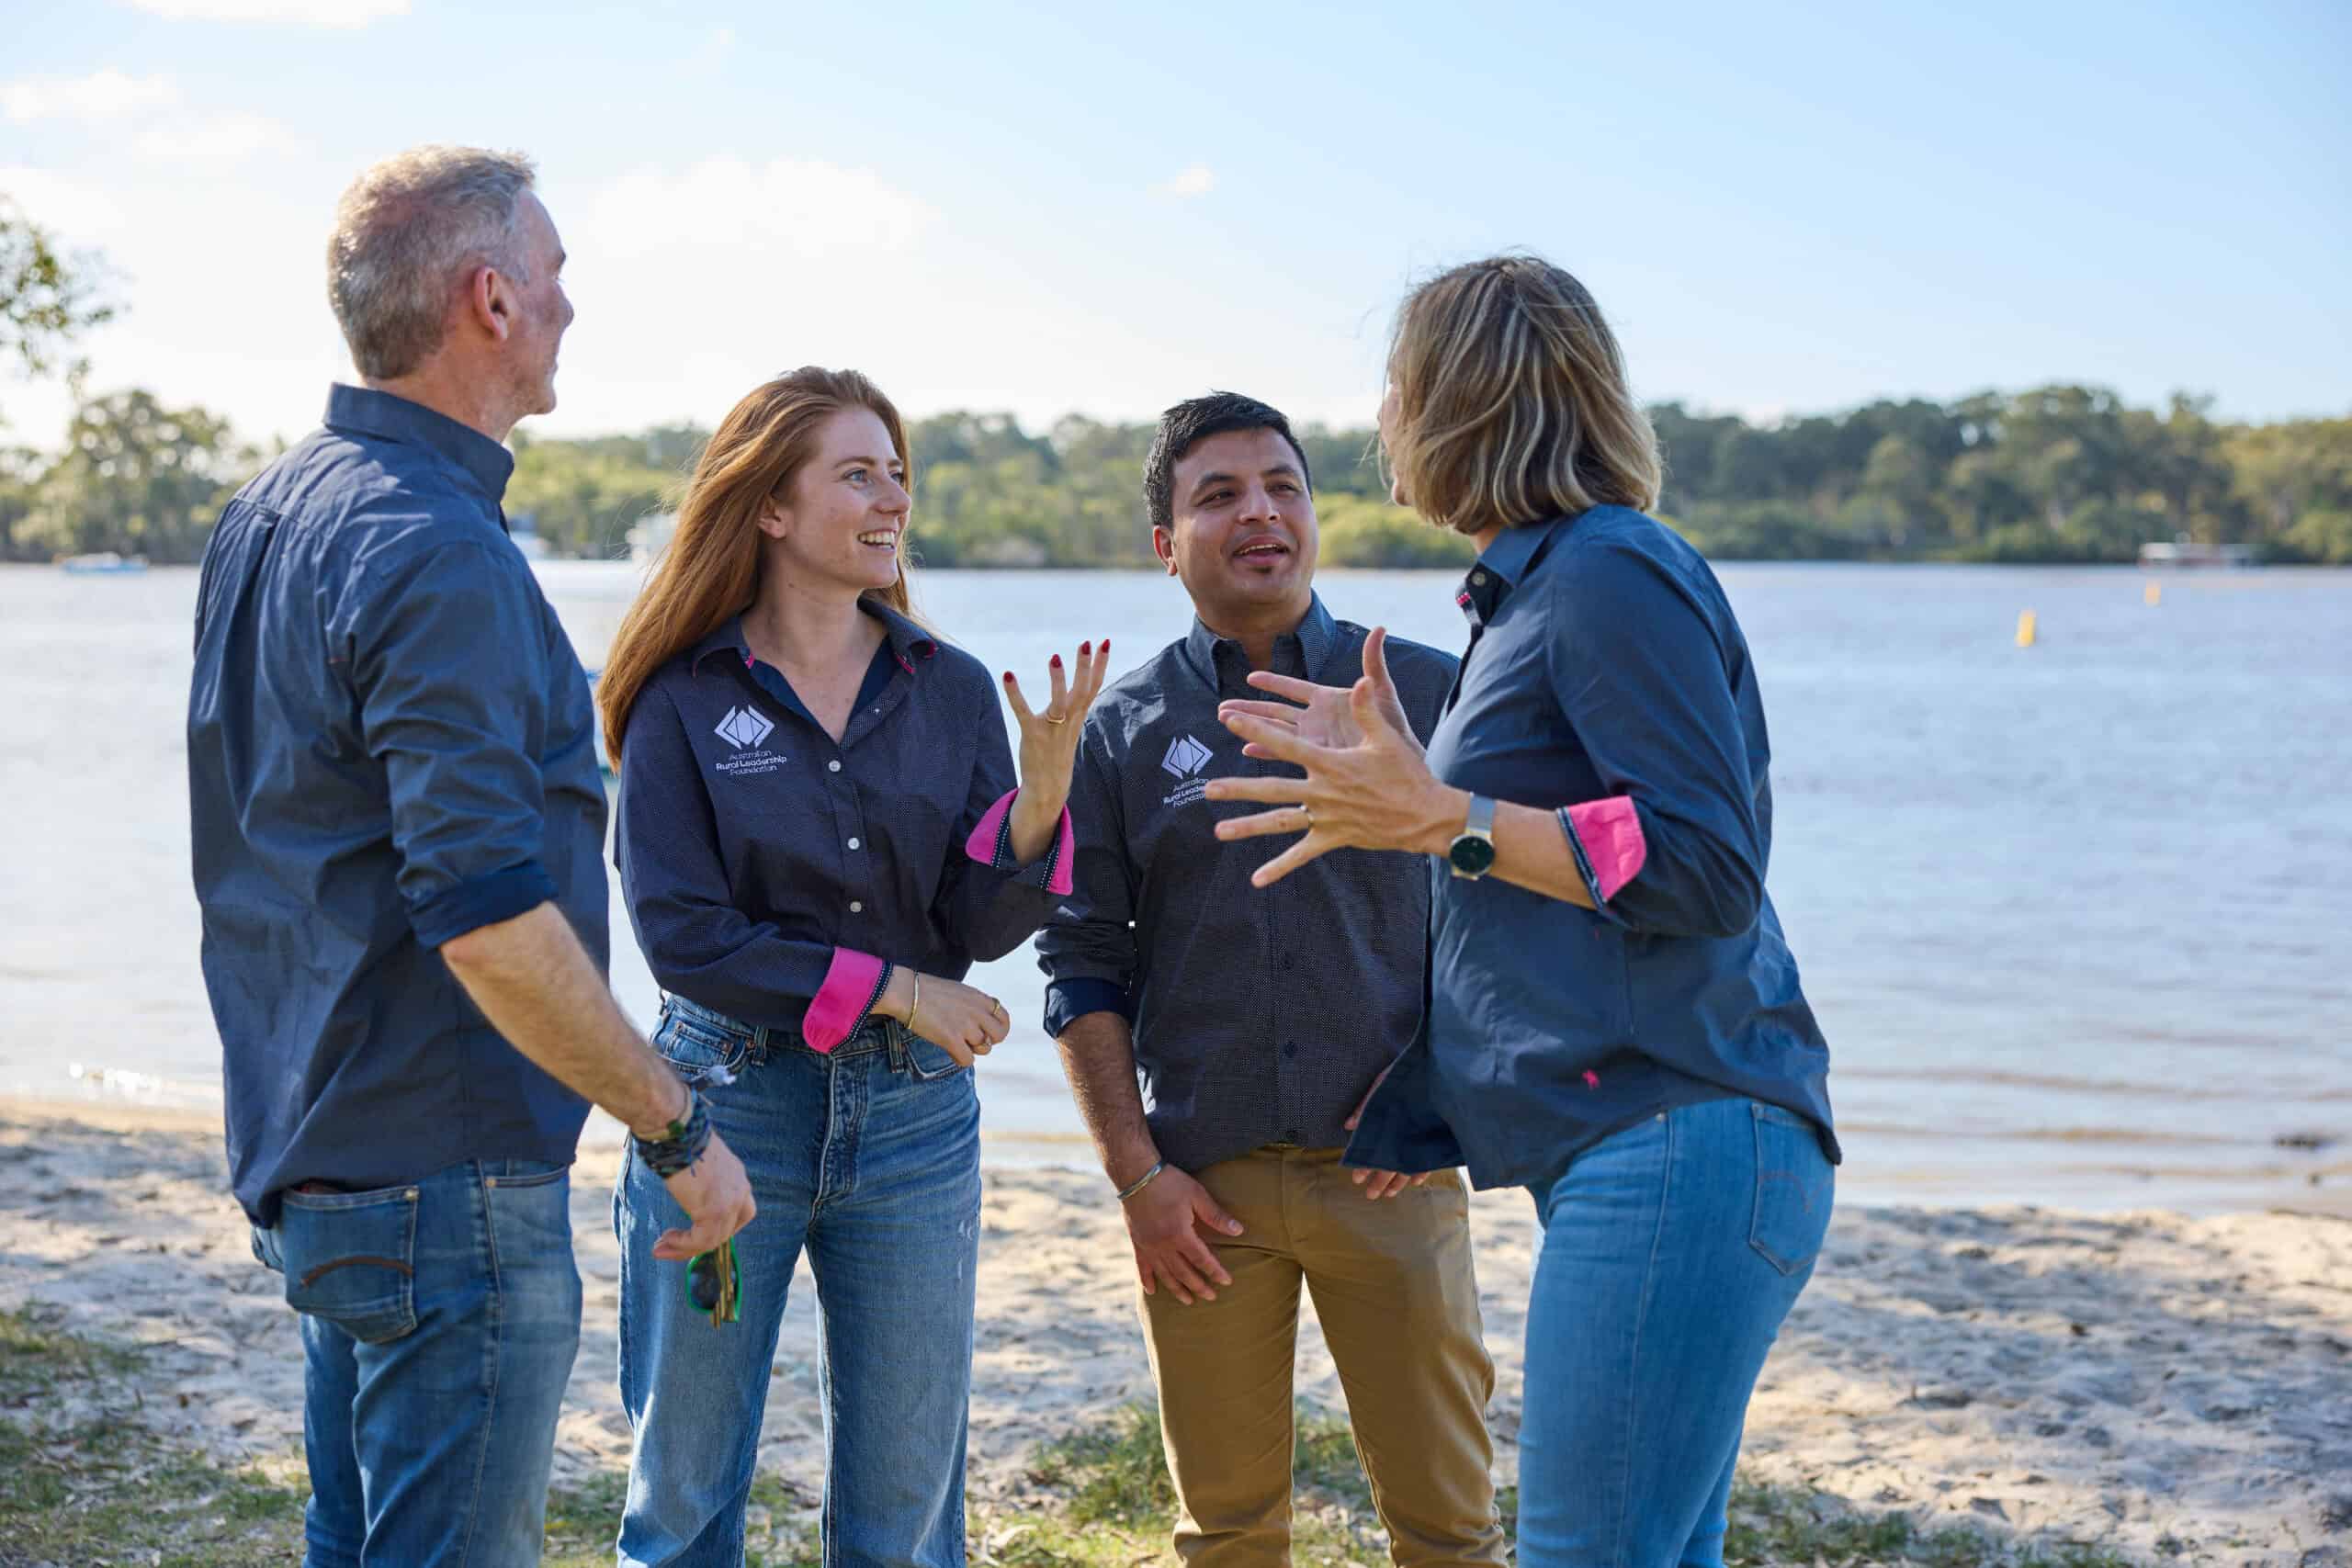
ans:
(743, 728)
(1185, 758)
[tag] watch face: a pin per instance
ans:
(1471, 855)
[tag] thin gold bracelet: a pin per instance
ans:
(916, 1006)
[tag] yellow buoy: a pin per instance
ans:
(2153, 593)
(2024, 628)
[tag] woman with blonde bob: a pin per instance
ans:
(1615, 1022)
(819, 829)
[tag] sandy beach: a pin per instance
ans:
(2169, 1387)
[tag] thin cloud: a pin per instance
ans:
(342, 15)
(1198, 180)
(101, 96)
(211, 139)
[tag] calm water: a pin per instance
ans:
(2078, 919)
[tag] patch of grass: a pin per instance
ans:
(1775, 1525)
(84, 1479)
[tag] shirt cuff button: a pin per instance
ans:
(856, 907)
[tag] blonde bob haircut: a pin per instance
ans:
(1511, 400)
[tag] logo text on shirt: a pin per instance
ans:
(1185, 758)
(744, 728)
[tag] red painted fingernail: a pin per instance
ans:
(1085, 650)
(1008, 677)
(1058, 660)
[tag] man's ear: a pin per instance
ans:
(490, 301)
(1163, 544)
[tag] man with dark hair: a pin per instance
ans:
(1257, 1022)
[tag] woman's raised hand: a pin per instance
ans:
(1326, 715)
(1367, 784)
(1049, 745)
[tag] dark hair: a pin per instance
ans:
(1192, 422)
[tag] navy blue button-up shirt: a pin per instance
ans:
(775, 875)
(389, 743)
(1260, 1016)
(1606, 680)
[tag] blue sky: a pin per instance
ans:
(1049, 208)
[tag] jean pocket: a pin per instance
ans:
(350, 1260)
(927, 1059)
(1795, 1186)
(704, 1057)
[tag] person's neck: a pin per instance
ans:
(1257, 627)
(468, 399)
(800, 628)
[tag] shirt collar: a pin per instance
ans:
(908, 640)
(1317, 635)
(366, 411)
(1502, 565)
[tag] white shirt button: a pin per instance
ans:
(853, 843)
(856, 907)
(834, 766)
(1478, 578)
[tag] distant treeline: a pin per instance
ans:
(2058, 473)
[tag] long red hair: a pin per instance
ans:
(711, 569)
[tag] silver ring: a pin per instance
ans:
(1307, 812)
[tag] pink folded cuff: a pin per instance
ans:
(853, 984)
(1610, 832)
(988, 845)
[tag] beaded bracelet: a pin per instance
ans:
(685, 1143)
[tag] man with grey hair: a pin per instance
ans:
(399, 831)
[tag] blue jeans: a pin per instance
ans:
(1671, 1252)
(868, 1160)
(439, 1323)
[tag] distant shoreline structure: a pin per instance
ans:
(2188, 553)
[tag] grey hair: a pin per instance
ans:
(405, 232)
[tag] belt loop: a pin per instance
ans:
(894, 1037)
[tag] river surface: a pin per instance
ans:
(2077, 918)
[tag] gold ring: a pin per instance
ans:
(1049, 718)
(1307, 812)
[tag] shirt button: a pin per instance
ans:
(1478, 580)
(856, 907)
(834, 766)
(853, 843)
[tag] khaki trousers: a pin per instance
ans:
(1395, 1293)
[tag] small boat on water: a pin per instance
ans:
(2184, 552)
(103, 563)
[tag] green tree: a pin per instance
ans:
(47, 299)
(138, 478)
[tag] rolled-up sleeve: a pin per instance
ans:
(695, 940)
(1673, 849)
(1087, 947)
(448, 664)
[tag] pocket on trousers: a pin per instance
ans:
(350, 1260)
(927, 1060)
(1793, 1188)
(703, 1057)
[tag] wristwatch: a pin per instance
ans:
(1472, 853)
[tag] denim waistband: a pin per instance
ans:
(876, 1034)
